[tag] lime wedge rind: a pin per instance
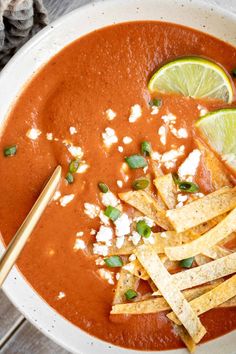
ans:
(218, 128)
(193, 77)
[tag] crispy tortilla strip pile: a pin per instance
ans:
(200, 229)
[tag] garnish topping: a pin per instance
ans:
(140, 183)
(187, 263)
(112, 213)
(136, 161)
(10, 151)
(103, 187)
(143, 229)
(146, 148)
(130, 294)
(113, 261)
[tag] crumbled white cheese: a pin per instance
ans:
(66, 199)
(135, 113)
(120, 148)
(101, 250)
(163, 234)
(132, 257)
(110, 114)
(179, 205)
(155, 156)
(104, 219)
(129, 267)
(91, 210)
(147, 220)
(169, 118)
(72, 130)
(57, 195)
(119, 183)
(145, 169)
(182, 133)
(182, 197)
(122, 225)
(199, 195)
(79, 245)
(105, 235)
(109, 198)
(190, 165)
(106, 275)
(135, 238)
(163, 134)
(79, 233)
(49, 136)
(170, 157)
(155, 110)
(109, 137)
(75, 151)
(61, 295)
(127, 140)
(202, 110)
(117, 276)
(99, 261)
(93, 232)
(33, 133)
(82, 167)
(120, 241)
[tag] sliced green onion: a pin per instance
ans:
(234, 72)
(146, 148)
(103, 187)
(136, 161)
(130, 294)
(176, 178)
(188, 187)
(187, 263)
(10, 150)
(73, 166)
(113, 261)
(157, 102)
(112, 213)
(140, 183)
(69, 178)
(143, 229)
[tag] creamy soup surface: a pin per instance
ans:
(90, 102)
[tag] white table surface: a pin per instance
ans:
(18, 336)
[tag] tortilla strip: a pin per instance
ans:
(157, 304)
(161, 240)
(218, 174)
(162, 279)
(207, 272)
(156, 169)
(137, 269)
(206, 226)
(167, 190)
(229, 303)
(211, 299)
(145, 203)
(216, 252)
(202, 209)
(208, 240)
(185, 337)
(126, 281)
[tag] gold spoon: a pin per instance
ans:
(19, 240)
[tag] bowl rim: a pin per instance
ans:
(35, 53)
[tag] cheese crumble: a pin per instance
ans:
(127, 140)
(122, 225)
(109, 198)
(105, 235)
(75, 151)
(79, 245)
(33, 133)
(72, 130)
(110, 114)
(49, 136)
(190, 165)
(106, 275)
(61, 295)
(109, 137)
(66, 199)
(91, 210)
(135, 113)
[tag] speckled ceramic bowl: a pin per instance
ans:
(20, 69)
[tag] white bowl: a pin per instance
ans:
(20, 69)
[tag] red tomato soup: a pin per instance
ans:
(91, 102)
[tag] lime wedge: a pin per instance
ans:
(219, 130)
(193, 77)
